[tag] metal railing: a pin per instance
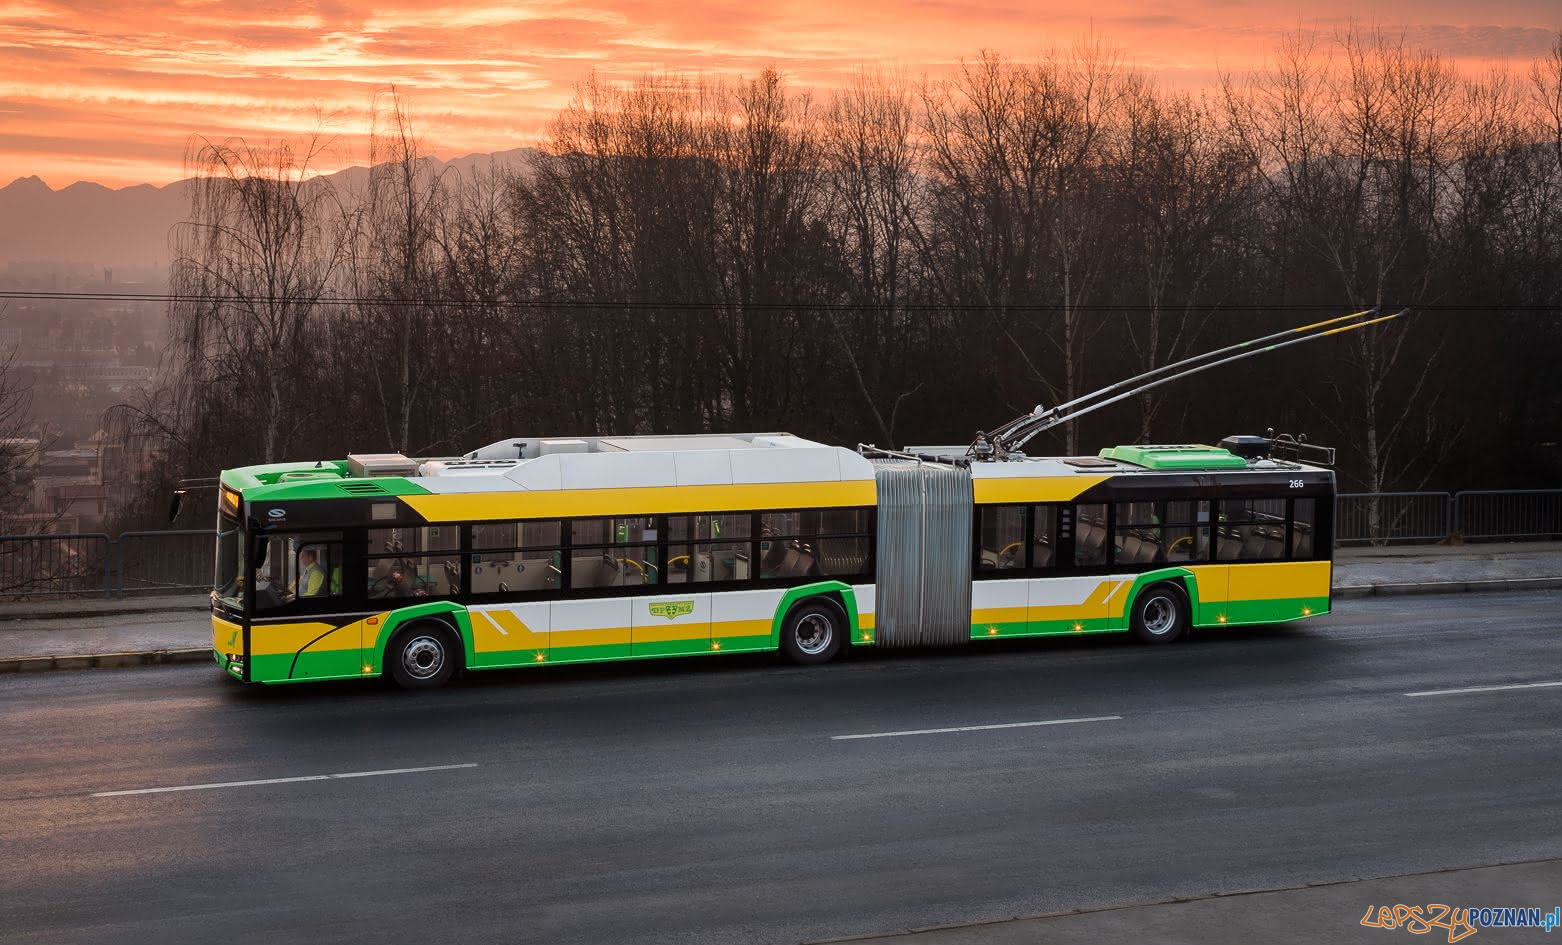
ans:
(1391, 516)
(96, 564)
(1514, 513)
(1471, 515)
(162, 562)
(54, 565)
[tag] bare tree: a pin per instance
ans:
(875, 191)
(250, 267)
(1185, 186)
(1355, 160)
(691, 255)
(1019, 201)
(18, 450)
(394, 268)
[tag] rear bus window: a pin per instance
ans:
(1251, 530)
(1304, 521)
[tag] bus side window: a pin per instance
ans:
(1187, 531)
(1136, 534)
(808, 543)
(415, 561)
(1002, 538)
(1044, 536)
(613, 552)
(516, 557)
(696, 555)
(1089, 535)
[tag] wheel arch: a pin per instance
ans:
(837, 592)
(449, 613)
(1183, 578)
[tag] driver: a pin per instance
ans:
(311, 577)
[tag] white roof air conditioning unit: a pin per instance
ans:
(370, 465)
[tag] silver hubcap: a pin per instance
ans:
(422, 657)
(814, 633)
(1160, 616)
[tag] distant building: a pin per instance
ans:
(85, 503)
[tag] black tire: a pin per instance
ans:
(1160, 614)
(814, 632)
(423, 655)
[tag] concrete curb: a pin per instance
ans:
(42, 664)
(199, 607)
(1446, 587)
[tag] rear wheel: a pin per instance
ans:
(1160, 614)
(422, 656)
(813, 632)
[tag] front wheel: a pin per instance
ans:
(422, 656)
(813, 632)
(1160, 614)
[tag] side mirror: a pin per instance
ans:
(175, 505)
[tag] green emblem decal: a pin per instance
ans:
(671, 608)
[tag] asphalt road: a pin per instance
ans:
(706, 800)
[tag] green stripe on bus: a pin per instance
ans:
(1044, 628)
(1268, 611)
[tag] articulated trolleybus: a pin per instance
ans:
(536, 551)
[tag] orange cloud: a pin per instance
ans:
(113, 91)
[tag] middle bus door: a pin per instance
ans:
(669, 624)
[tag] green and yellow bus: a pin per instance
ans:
(538, 551)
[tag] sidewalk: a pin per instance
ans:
(81, 634)
(1307, 915)
(1391, 569)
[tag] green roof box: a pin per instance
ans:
(1175, 457)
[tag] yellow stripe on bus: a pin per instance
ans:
(651, 500)
(1281, 580)
(1032, 489)
(1004, 614)
(604, 636)
(266, 639)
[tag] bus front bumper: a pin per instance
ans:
(228, 646)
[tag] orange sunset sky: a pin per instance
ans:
(111, 91)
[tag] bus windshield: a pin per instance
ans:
(230, 563)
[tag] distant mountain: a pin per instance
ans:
(93, 225)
